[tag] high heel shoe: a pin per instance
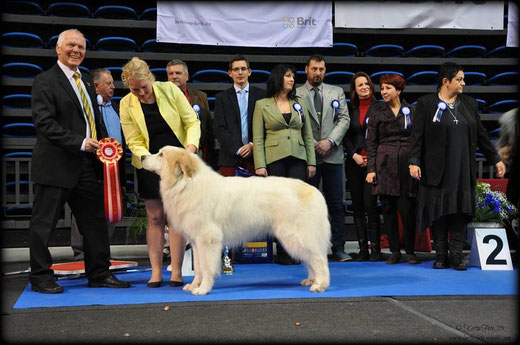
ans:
(174, 283)
(154, 284)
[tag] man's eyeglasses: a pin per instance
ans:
(238, 69)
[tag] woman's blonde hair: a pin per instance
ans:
(136, 69)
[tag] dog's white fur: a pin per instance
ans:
(212, 211)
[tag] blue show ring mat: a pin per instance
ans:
(272, 281)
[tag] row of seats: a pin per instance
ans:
(30, 70)
(114, 43)
(70, 9)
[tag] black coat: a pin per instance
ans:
(428, 142)
(60, 129)
(227, 123)
(354, 140)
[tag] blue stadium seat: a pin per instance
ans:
(385, 50)
(149, 14)
(375, 76)
(16, 101)
(119, 44)
(503, 52)
(481, 105)
(68, 9)
(17, 154)
(117, 98)
(153, 46)
(494, 134)
(211, 102)
(474, 78)
(51, 44)
(115, 12)
(422, 78)
(159, 73)
(116, 72)
(23, 7)
(338, 77)
(505, 78)
(467, 51)
(503, 106)
(84, 69)
(427, 50)
(18, 130)
(210, 76)
(22, 40)
(259, 76)
(341, 49)
(20, 70)
(301, 77)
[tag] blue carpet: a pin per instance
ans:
(272, 281)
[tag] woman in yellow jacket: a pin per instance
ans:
(155, 114)
(283, 144)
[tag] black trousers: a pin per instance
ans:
(288, 167)
(361, 193)
(407, 208)
(87, 204)
(454, 224)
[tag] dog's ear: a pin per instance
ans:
(186, 164)
(179, 164)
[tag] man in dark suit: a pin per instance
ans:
(109, 109)
(178, 74)
(65, 168)
(234, 117)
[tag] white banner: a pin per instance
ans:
(246, 23)
(479, 15)
(512, 25)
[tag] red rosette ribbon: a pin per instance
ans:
(109, 152)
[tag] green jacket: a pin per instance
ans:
(274, 139)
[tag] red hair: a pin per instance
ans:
(393, 79)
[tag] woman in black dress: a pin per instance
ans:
(388, 143)
(445, 136)
(155, 114)
(364, 204)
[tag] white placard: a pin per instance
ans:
(490, 250)
(246, 23)
(187, 264)
(478, 15)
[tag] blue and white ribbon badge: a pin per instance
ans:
(407, 119)
(197, 110)
(335, 109)
(366, 131)
(441, 106)
(298, 107)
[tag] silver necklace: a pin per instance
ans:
(451, 106)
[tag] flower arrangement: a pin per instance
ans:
(492, 206)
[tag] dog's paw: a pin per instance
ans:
(307, 282)
(187, 287)
(317, 288)
(199, 291)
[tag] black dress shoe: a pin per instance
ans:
(441, 262)
(375, 256)
(110, 282)
(363, 256)
(154, 284)
(47, 286)
(412, 259)
(394, 258)
(174, 283)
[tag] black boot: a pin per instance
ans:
(394, 258)
(457, 261)
(361, 230)
(375, 240)
(441, 261)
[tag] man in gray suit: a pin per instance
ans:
(330, 121)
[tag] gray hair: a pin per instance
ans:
(62, 35)
(178, 62)
(98, 72)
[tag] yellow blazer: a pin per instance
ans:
(274, 139)
(174, 108)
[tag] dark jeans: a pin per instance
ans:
(406, 207)
(86, 202)
(363, 202)
(454, 224)
(331, 176)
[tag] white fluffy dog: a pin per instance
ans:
(212, 211)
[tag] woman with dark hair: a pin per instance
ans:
(388, 143)
(364, 203)
(446, 133)
(283, 144)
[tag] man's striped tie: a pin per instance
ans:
(86, 106)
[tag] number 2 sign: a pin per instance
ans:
(490, 250)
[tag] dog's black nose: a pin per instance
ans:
(142, 158)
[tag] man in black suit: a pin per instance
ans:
(109, 109)
(233, 119)
(65, 167)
